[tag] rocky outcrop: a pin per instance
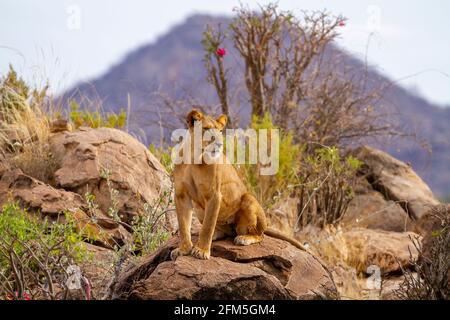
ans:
(36, 195)
(273, 269)
(370, 209)
(109, 164)
(97, 161)
(59, 204)
(397, 181)
(389, 196)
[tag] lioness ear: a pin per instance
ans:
(192, 116)
(222, 120)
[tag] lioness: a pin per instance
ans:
(218, 196)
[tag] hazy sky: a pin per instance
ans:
(68, 41)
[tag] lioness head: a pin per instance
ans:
(206, 135)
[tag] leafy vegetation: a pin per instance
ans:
(36, 255)
(323, 181)
(95, 119)
(268, 188)
(148, 230)
(326, 182)
(163, 155)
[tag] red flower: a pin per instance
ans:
(342, 23)
(221, 52)
(25, 296)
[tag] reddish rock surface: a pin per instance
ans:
(397, 181)
(273, 269)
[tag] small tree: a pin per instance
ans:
(291, 71)
(214, 53)
(277, 48)
(326, 182)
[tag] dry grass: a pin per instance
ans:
(24, 134)
(343, 259)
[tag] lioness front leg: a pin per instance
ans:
(184, 214)
(202, 250)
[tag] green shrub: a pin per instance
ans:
(149, 232)
(268, 188)
(14, 91)
(325, 188)
(163, 156)
(95, 119)
(35, 255)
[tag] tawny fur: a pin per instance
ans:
(220, 200)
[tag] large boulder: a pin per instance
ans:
(397, 181)
(273, 269)
(98, 161)
(370, 209)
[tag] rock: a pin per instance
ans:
(60, 125)
(433, 220)
(135, 178)
(273, 269)
(396, 181)
(369, 209)
(97, 161)
(90, 228)
(360, 259)
(36, 195)
(383, 249)
(372, 211)
(41, 198)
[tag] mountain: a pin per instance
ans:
(172, 66)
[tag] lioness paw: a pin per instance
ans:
(177, 252)
(200, 253)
